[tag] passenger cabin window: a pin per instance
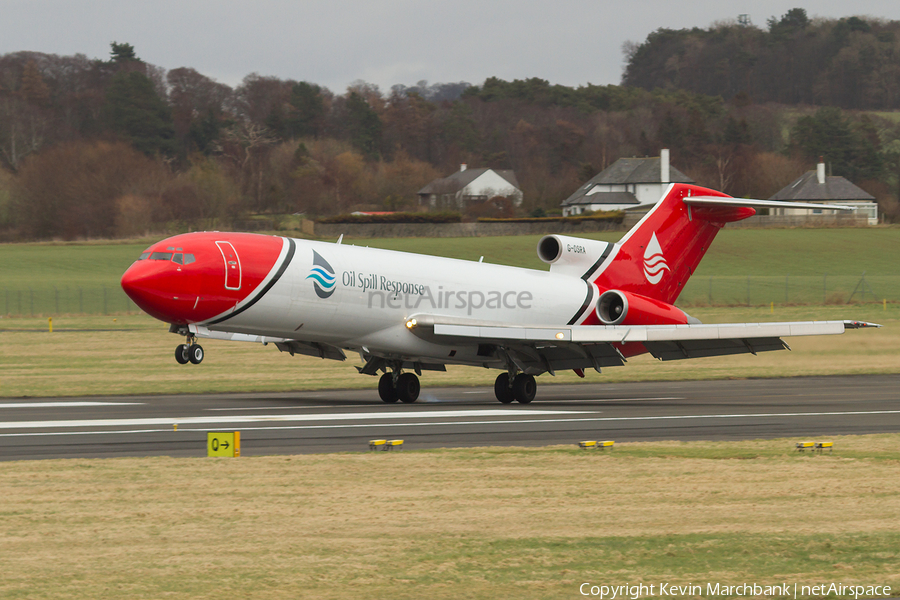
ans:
(161, 256)
(144, 256)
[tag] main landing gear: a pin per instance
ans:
(522, 388)
(189, 353)
(398, 386)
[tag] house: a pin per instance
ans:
(814, 186)
(628, 183)
(468, 186)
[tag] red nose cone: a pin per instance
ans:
(153, 287)
(195, 277)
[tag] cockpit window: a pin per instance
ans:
(161, 256)
(189, 258)
(178, 258)
(144, 256)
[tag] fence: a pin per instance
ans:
(700, 291)
(789, 289)
(56, 300)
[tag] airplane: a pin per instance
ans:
(598, 305)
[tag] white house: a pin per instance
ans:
(815, 186)
(468, 186)
(628, 183)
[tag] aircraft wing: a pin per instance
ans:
(546, 348)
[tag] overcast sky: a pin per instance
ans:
(386, 42)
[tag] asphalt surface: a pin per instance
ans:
(331, 421)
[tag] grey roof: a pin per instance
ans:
(626, 171)
(604, 198)
(460, 179)
(807, 187)
(638, 170)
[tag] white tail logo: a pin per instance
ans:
(654, 261)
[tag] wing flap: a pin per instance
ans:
(672, 350)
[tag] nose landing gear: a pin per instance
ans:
(189, 353)
(196, 354)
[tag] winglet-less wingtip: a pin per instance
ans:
(859, 324)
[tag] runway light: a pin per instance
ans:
(394, 445)
(607, 444)
(587, 445)
(820, 446)
(411, 324)
(376, 444)
(801, 446)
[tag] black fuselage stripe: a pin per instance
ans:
(587, 302)
(599, 262)
(284, 265)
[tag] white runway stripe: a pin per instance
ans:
(225, 419)
(64, 404)
(444, 423)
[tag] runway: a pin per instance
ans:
(333, 421)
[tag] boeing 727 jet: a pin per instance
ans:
(598, 304)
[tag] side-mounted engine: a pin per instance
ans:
(615, 307)
(571, 255)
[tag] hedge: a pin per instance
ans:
(616, 216)
(444, 217)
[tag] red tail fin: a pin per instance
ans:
(657, 257)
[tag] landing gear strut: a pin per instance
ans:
(191, 352)
(522, 388)
(398, 386)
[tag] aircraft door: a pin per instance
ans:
(232, 265)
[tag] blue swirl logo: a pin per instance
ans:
(322, 275)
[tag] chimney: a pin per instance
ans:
(664, 165)
(820, 170)
(463, 167)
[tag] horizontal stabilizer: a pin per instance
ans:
(723, 201)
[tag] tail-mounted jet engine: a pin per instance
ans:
(616, 307)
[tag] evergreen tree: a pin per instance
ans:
(364, 126)
(307, 112)
(852, 151)
(671, 133)
(205, 132)
(122, 53)
(737, 133)
(138, 114)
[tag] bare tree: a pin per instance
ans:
(252, 142)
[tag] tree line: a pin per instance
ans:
(119, 147)
(851, 63)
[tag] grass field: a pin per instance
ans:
(134, 354)
(469, 523)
